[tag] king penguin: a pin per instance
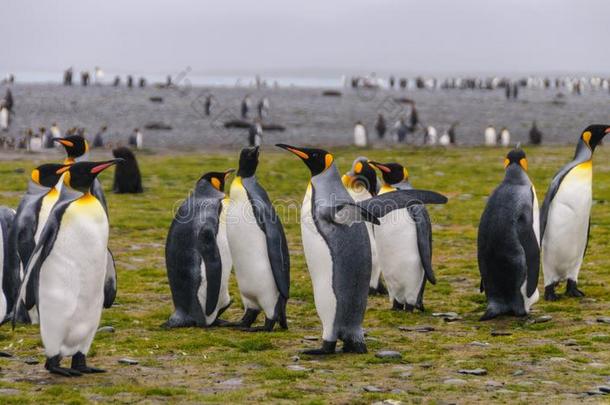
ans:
(337, 247)
(32, 214)
(258, 247)
(77, 149)
(197, 255)
(67, 275)
(8, 280)
(361, 184)
(404, 240)
(509, 243)
(566, 216)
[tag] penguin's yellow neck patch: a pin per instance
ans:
(386, 188)
(69, 160)
(53, 192)
(237, 191)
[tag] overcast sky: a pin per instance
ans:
(307, 36)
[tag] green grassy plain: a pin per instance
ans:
(531, 365)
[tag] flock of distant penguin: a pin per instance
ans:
(356, 230)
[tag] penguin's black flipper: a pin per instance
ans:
(28, 291)
(383, 204)
(10, 274)
(348, 213)
(529, 242)
(420, 216)
(277, 246)
(552, 191)
(208, 249)
(110, 283)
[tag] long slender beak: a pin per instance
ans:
(228, 172)
(64, 142)
(607, 131)
(380, 166)
(63, 169)
(105, 165)
(294, 150)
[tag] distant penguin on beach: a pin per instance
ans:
(245, 106)
(535, 135)
(360, 135)
(505, 137)
(98, 140)
(263, 107)
(4, 117)
(127, 178)
(207, 105)
(55, 131)
(136, 139)
(380, 126)
(491, 137)
(431, 135)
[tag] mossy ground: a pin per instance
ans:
(220, 365)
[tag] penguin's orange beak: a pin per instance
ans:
(380, 166)
(63, 169)
(294, 150)
(103, 166)
(64, 142)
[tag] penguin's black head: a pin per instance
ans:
(81, 175)
(75, 145)
(317, 160)
(516, 156)
(248, 161)
(392, 173)
(47, 175)
(361, 175)
(593, 135)
(217, 179)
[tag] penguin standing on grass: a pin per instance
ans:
(31, 217)
(258, 247)
(197, 256)
(8, 276)
(404, 240)
(337, 247)
(361, 184)
(67, 275)
(509, 243)
(566, 216)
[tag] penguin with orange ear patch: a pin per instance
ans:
(509, 243)
(197, 256)
(67, 275)
(566, 216)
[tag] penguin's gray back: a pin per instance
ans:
(350, 252)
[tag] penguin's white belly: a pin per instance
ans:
(360, 195)
(399, 256)
(4, 118)
(490, 137)
(320, 266)
(71, 285)
(360, 137)
(248, 246)
(565, 236)
(505, 138)
(48, 202)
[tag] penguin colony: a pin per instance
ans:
(361, 235)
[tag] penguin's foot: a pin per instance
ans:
(247, 320)
(52, 365)
(326, 349)
(409, 308)
(351, 346)
(221, 323)
(267, 327)
(549, 292)
(489, 314)
(572, 289)
(79, 363)
(178, 320)
(397, 306)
